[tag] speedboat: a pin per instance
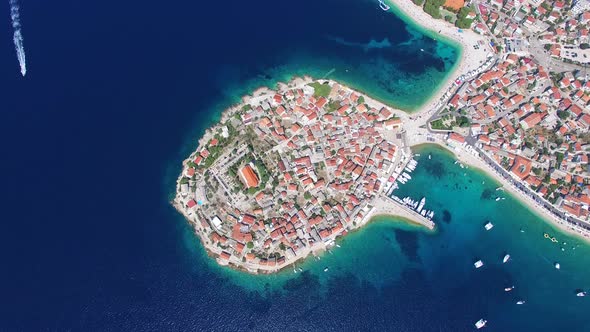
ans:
(481, 323)
(497, 199)
(478, 264)
(581, 294)
(506, 258)
(326, 270)
(383, 5)
(508, 289)
(489, 226)
(521, 302)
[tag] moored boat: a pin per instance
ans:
(489, 226)
(383, 5)
(508, 289)
(557, 265)
(478, 264)
(506, 258)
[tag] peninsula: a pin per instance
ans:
(286, 172)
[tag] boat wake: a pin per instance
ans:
(18, 37)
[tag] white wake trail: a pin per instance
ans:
(18, 36)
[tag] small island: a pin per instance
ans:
(286, 172)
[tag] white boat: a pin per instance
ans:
(326, 270)
(521, 302)
(338, 245)
(294, 271)
(478, 264)
(300, 270)
(481, 323)
(497, 199)
(508, 289)
(421, 205)
(488, 226)
(557, 266)
(581, 294)
(429, 157)
(506, 258)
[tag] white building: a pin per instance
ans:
(580, 6)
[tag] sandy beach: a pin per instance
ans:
(470, 58)
(467, 158)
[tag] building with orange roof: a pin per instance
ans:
(249, 176)
(521, 167)
(454, 4)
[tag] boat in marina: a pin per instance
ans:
(478, 264)
(480, 323)
(421, 205)
(488, 226)
(506, 258)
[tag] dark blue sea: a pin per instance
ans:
(117, 94)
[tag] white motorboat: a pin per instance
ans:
(481, 323)
(478, 264)
(489, 226)
(557, 266)
(326, 270)
(521, 302)
(508, 289)
(581, 294)
(506, 258)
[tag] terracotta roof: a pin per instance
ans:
(249, 176)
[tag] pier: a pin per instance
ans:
(387, 205)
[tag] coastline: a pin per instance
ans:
(380, 205)
(469, 58)
(475, 162)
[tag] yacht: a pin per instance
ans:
(521, 302)
(581, 294)
(480, 323)
(421, 205)
(506, 258)
(508, 289)
(489, 226)
(478, 264)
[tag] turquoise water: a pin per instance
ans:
(438, 265)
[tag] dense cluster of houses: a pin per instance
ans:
(534, 124)
(326, 159)
(561, 27)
